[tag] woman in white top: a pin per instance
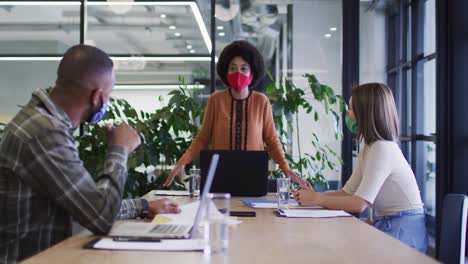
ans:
(382, 178)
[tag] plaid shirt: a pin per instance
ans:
(43, 183)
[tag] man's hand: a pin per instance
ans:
(123, 135)
(163, 206)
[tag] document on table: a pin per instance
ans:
(171, 193)
(313, 213)
(163, 245)
(187, 215)
(274, 206)
(134, 229)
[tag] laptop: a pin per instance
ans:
(240, 173)
(143, 230)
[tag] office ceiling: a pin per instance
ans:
(143, 29)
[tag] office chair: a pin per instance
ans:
(453, 229)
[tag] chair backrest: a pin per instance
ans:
(453, 229)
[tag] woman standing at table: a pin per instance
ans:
(382, 178)
(238, 118)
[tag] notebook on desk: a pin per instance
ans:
(151, 230)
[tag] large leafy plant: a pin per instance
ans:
(287, 101)
(165, 135)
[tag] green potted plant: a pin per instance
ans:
(287, 100)
(165, 134)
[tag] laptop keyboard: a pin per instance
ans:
(169, 229)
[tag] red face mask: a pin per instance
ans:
(239, 81)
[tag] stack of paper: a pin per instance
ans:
(187, 215)
(171, 193)
(313, 213)
(164, 245)
(272, 204)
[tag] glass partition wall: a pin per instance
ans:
(153, 44)
(295, 38)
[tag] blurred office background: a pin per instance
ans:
(342, 42)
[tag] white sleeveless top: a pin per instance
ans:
(384, 178)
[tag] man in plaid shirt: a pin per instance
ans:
(43, 183)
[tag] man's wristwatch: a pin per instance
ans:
(145, 209)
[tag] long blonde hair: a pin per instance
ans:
(376, 115)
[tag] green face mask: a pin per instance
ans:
(351, 124)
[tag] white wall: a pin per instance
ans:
(313, 53)
(372, 46)
(143, 100)
(19, 80)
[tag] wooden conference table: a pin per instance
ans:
(261, 239)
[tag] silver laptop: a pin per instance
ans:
(168, 231)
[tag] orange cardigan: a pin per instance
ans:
(261, 132)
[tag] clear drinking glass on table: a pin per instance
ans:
(282, 193)
(216, 229)
(194, 182)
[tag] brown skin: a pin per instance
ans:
(80, 103)
(163, 206)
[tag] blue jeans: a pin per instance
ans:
(408, 226)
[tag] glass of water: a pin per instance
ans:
(216, 230)
(194, 182)
(282, 188)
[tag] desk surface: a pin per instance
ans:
(262, 239)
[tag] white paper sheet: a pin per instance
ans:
(171, 193)
(133, 228)
(189, 212)
(314, 213)
(274, 206)
(186, 216)
(164, 245)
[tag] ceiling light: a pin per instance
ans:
(333, 29)
(30, 58)
(227, 14)
(155, 86)
(189, 46)
(172, 27)
(193, 5)
(328, 35)
(142, 3)
(39, 3)
(90, 42)
(220, 27)
(201, 25)
(221, 34)
(162, 58)
(123, 7)
(158, 58)
(162, 16)
(177, 34)
(192, 51)
(129, 65)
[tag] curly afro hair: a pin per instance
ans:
(249, 53)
